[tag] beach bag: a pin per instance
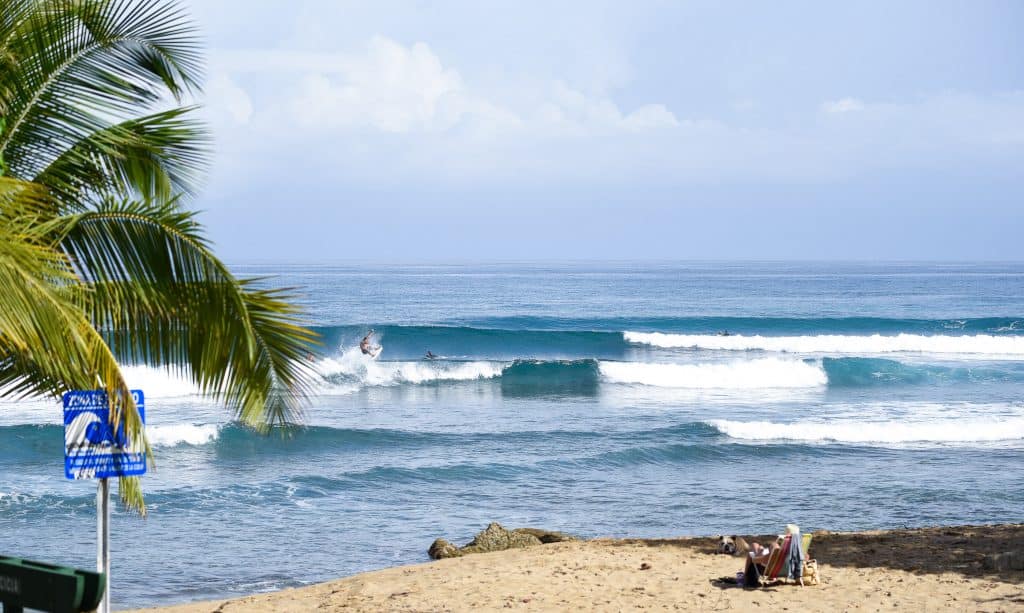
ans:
(810, 575)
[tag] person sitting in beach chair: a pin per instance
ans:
(756, 563)
(784, 559)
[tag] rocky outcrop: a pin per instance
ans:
(496, 538)
(547, 536)
(443, 549)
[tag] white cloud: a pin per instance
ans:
(651, 116)
(390, 88)
(229, 99)
(843, 105)
(390, 113)
(398, 89)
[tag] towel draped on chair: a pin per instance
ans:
(794, 561)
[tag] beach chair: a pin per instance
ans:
(777, 562)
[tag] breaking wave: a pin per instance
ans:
(182, 434)
(973, 430)
(980, 344)
(353, 367)
(742, 374)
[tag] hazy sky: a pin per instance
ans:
(590, 130)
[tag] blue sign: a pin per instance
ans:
(91, 449)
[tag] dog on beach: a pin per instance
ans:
(732, 545)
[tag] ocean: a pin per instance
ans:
(605, 399)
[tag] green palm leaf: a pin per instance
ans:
(152, 157)
(102, 261)
(47, 344)
(81, 65)
(166, 300)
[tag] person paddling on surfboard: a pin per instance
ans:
(366, 348)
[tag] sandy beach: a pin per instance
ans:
(929, 569)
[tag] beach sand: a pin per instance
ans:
(929, 569)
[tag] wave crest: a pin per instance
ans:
(353, 366)
(741, 374)
(978, 430)
(182, 434)
(980, 344)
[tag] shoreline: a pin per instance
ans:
(938, 568)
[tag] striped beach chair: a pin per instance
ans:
(777, 560)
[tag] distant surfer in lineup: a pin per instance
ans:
(367, 348)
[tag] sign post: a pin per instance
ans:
(103, 540)
(92, 450)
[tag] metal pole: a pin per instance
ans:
(103, 540)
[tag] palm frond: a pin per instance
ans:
(81, 65)
(13, 15)
(100, 261)
(153, 158)
(47, 344)
(163, 298)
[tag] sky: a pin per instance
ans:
(414, 131)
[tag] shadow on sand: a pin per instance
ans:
(954, 549)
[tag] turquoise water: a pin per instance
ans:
(608, 399)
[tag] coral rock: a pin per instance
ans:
(443, 549)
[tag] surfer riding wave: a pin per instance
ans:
(371, 350)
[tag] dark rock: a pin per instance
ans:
(443, 549)
(546, 536)
(496, 538)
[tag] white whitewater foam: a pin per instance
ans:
(976, 430)
(182, 434)
(30, 411)
(741, 374)
(154, 382)
(981, 344)
(368, 371)
(158, 382)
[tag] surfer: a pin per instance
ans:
(367, 348)
(724, 333)
(430, 355)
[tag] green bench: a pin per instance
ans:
(47, 587)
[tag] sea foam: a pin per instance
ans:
(739, 374)
(353, 365)
(981, 344)
(159, 382)
(978, 430)
(182, 434)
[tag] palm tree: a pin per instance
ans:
(99, 258)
